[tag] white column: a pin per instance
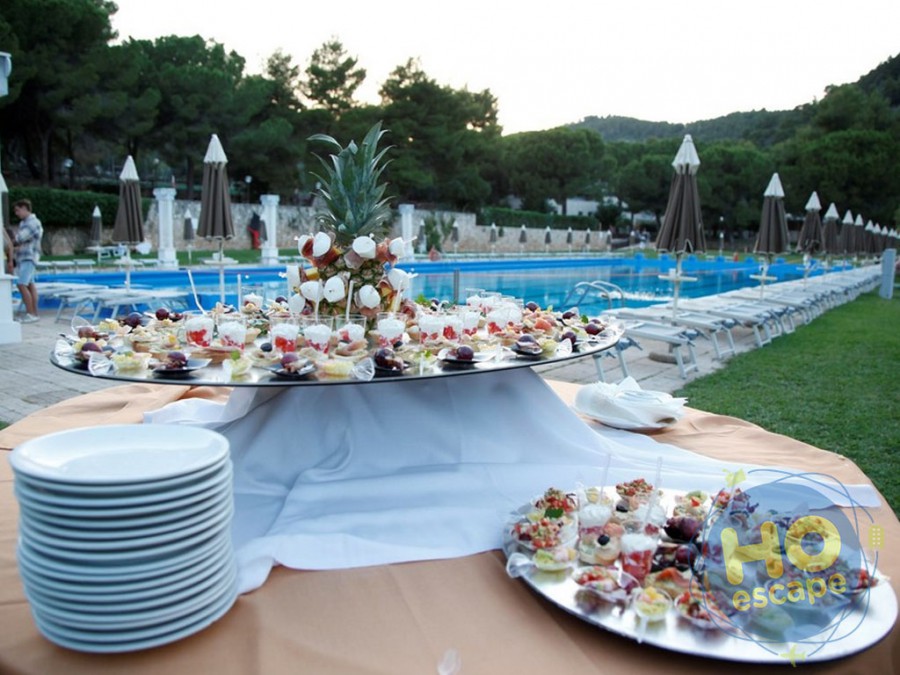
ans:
(10, 331)
(165, 200)
(270, 222)
(406, 228)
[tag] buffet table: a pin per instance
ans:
(401, 618)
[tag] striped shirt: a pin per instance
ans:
(28, 239)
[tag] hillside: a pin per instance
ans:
(763, 127)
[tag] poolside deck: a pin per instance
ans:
(31, 383)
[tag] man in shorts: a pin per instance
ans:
(28, 251)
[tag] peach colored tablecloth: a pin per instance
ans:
(399, 619)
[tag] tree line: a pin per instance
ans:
(79, 102)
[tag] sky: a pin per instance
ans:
(554, 63)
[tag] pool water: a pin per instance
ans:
(544, 281)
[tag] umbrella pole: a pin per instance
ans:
(765, 273)
(128, 268)
(677, 282)
(221, 271)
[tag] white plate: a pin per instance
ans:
(112, 559)
(79, 529)
(161, 509)
(111, 624)
(89, 590)
(127, 541)
(131, 571)
(478, 357)
(105, 491)
(125, 453)
(25, 492)
(134, 613)
(618, 423)
(129, 641)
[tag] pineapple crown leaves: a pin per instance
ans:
(354, 199)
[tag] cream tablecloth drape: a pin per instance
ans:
(400, 618)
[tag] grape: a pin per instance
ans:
(266, 347)
(384, 357)
(465, 353)
(685, 556)
(133, 320)
(532, 306)
(592, 329)
(288, 359)
(162, 314)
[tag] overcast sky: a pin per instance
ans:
(551, 63)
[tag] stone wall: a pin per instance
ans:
(474, 238)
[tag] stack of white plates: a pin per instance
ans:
(125, 534)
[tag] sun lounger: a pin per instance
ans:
(117, 300)
(676, 337)
(710, 327)
(763, 321)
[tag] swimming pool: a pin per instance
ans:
(546, 281)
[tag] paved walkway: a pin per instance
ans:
(30, 383)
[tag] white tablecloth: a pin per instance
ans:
(344, 476)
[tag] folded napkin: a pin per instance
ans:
(627, 406)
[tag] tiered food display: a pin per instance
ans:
(346, 311)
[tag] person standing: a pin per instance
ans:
(27, 253)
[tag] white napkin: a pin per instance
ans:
(627, 406)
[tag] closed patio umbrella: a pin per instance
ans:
(682, 226)
(96, 226)
(830, 234)
(846, 242)
(859, 235)
(810, 239)
(215, 204)
(96, 230)
(188, 234)
(129, 227)
(773, 233)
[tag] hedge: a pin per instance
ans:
(68, 208)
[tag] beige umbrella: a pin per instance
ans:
(129, 226)
(215, 204)
(682, 226)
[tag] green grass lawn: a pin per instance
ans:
(834, 384)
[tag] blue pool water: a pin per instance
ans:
(545, 281)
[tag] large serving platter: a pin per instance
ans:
(215, 375)
(872, 620)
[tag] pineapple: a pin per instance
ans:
(354, 198)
